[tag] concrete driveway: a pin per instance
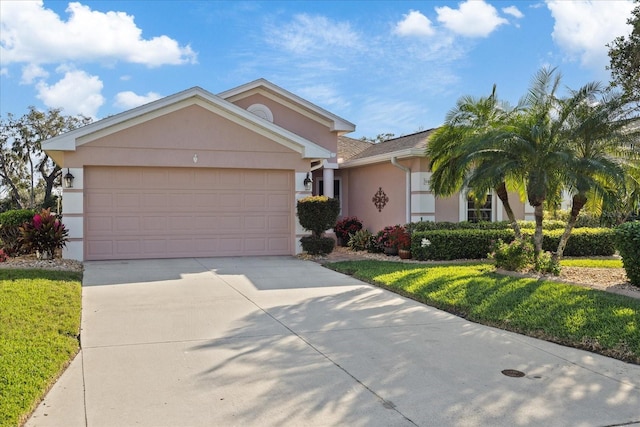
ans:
(277, 341)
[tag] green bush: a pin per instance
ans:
(361, 240)
(317, 245)
(515, 256)
(627, 237)
(456, 244)
(10, 234)
(318, 213)
(582, 242)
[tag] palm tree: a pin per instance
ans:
(448, 151)
(600, 134)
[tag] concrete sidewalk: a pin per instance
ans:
(277, 341)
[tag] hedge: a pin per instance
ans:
(10, 222)
(477, 243)
(628, 243)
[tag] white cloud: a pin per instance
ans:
(325, 95)
(473, 18)
(76, 93)
(513, 11)
(32, 72)
(414, 24)
(130, 99)
(34, 34)
(308, 33)
(582, 29)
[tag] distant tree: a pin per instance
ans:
(23, 163)
(624, 55)
(381, 137)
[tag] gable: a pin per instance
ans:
(232, 115)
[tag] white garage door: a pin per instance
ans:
(140, 212)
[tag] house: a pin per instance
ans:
(201, 175)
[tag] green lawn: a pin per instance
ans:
(592, 263)
(39, 327)
(580, 317)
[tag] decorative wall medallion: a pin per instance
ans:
(380, 199)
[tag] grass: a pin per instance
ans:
(39, 327)
(591, 263)
(579, 317)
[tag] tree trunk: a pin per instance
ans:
(578, 202)
(537, 236)
(501, 191)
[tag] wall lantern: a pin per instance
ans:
(68, 180)
(308, 182)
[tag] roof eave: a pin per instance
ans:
(383, 158)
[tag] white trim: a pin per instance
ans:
(293, 101)
(195, 96)
(420, 181)
(423, 203)
(73, 250)
(384, 158)
(72, 202)
(75, 225)
(421, 218)
(261, 111)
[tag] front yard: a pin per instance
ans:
(39, 328)
(570, 315)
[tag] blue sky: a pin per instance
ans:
(387, 66)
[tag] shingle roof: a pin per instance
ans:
(349, 147)
(416, 140)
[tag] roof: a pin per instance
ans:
(413, 145)
(265, 87)
(195, 96)
(350, 147)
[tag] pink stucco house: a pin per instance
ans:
(198, 175)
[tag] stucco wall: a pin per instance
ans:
(294, 121)
(174, 139)
(362, 184)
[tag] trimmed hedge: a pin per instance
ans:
(317, 245)
(582, 242)
(628, 244)
(318, 213)
(456, 244)
(478, 243)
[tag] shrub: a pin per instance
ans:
(318, 213)
(347, 227)
(3, 256)
(515, 256)
(582, 242)
(627, 237)
(393, 236)
(361, 240)
(44, 234)
(519, 255)
(456, 244)
(10, 234)
(317, 245)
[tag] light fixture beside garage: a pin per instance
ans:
(195, 158)
(308, 182)
(68, 179)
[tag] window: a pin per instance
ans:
(480, 213)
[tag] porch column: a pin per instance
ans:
(327, 177)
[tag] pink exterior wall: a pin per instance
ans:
(362, 184)
(174, 139)
(295, 122)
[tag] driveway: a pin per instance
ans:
(277, 341)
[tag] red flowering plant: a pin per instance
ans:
(347, 227)
(393, 236)
(3, 256)
(44, 234)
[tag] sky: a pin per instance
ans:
(387, 66)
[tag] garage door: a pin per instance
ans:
(133, 213)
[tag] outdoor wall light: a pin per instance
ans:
(308, 182)
(68, 180)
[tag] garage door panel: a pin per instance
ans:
(187, 212)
